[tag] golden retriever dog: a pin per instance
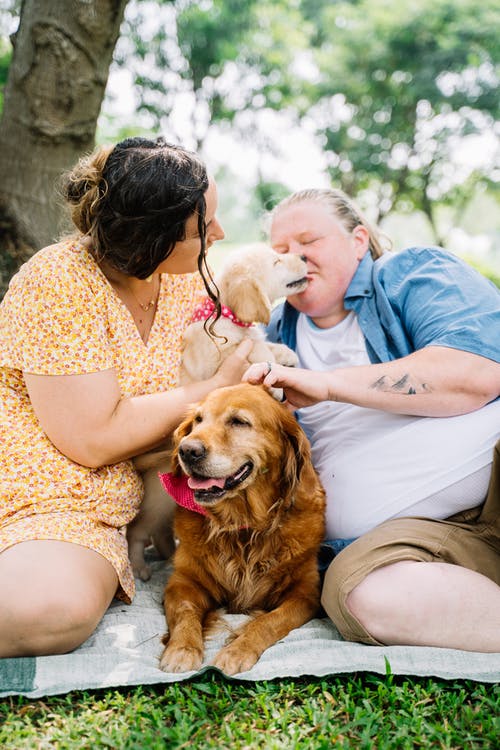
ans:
(250, 281)
(251, 544)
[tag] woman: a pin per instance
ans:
(403, 421)
(90, 351)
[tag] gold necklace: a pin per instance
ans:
(148, 305)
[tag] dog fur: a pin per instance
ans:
(249, 282)
(255, 550)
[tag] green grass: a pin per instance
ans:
(355, 711)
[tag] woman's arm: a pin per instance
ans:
(432, 382)
(85, 417)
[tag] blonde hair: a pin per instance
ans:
(344, 209)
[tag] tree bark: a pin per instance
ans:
(57, 79)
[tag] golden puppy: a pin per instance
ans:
(251, 545)
(154, 522)
(249, 282)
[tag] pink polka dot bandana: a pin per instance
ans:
(206, 309)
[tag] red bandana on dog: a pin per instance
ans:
(183, 495)
(206, 308)
(178, 489)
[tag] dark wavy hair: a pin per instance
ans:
(133, 200)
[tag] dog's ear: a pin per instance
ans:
(248, 300)
(296, 451)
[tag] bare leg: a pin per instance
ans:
(428, 604)
(53, 595)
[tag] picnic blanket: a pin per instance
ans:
(126, 646)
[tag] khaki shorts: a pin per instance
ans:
(470, 539)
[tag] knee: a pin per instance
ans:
(334, 597)
(380, 598)
(365, 603)
(368, 609)
(355, 606)
(47, 624)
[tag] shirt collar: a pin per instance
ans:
(361, 284)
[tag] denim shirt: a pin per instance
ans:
(415, 298)
(404, 302)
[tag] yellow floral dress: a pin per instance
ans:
(61, 316)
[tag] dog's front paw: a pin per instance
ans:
(136, 556)
(181, 658)
(284, 355)
(139, 566)
(232, 659)
(142, 571)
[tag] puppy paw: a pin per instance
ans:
(277, 393)
(285, 356)
(142, 571)
(232, 659)
(181, 659)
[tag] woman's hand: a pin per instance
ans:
(233, 367)
(301, 387)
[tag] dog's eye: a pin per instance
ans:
(277, 262)
(197, 419)
(235, 421)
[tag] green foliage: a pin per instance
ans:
(210, 35)
(391, 87)
(394, 90)
(490, 274)
(9, 12)
(5, 58)
(269, 194)
(402, 83)
(344, 711)
(221, 57)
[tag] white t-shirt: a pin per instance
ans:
(375, 465)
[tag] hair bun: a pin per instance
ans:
(84, 186)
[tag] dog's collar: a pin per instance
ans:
(206, 309)
(177, 488)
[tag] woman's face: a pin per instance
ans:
(332, 254)
(184, 256)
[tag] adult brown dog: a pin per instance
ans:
(255, 549)
(250, 280)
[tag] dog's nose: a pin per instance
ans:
(303, 257)
(192, 450)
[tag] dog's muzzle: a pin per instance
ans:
(208, 489)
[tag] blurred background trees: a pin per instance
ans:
(395, 101)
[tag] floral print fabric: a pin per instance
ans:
(61, 316)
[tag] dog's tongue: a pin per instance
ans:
(204, 484)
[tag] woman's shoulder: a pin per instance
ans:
(418, 260)
(65, 254)
(66, 261)
(433, 271)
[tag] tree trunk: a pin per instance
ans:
(57, 79)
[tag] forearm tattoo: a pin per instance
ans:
(403, 385)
